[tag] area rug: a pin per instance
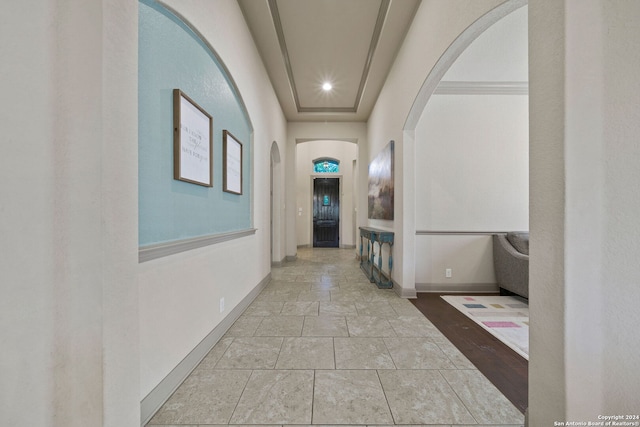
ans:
(504, 317)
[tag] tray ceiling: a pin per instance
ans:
(348, 43)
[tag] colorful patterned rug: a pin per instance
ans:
(504, 317)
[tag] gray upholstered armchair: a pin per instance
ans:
(511, 261)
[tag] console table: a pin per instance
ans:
(376, 238)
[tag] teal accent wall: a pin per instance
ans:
(172, 56)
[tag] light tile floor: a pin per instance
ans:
(321, 345)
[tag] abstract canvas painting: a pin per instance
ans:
(381, 185)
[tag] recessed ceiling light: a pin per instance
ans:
(327, 86)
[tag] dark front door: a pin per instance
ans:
(326, 212)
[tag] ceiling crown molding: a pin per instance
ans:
(482, 88)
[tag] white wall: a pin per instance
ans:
(470, 258)
(297, 132)
(499, 54)
(307, 152)
(585, 237)
(69, 214)
(472, 175)
(472, 163)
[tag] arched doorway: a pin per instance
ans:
(341, 153)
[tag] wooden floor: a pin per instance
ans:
(506, 369)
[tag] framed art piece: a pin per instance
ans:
(232, 163)
(192, 141)
(381, 184)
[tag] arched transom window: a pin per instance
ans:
(326, 165)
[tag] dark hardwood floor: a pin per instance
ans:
(505, 368)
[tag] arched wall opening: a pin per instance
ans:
(417, 70)
(307, 151)
(471, 160)
(179, 215)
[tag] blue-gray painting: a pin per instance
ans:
(381, 185)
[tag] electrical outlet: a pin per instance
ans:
(221, 305)
(448, 273)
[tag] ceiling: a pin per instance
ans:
(348, 43)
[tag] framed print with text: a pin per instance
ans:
(192, 141)
(232, 163)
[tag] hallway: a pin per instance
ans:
(322, 345)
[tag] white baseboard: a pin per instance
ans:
(161, 393)
(279, 263)
(457, 287)
(404, 293)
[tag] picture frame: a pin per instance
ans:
(232, 163)
(192, 141)
(381, 185)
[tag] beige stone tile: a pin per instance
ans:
(206, 399)
(331, 308)
(481, 398)
(422, 397)
(280, 326)
(285, 277)
(256, 425)
(264, 308)
(356, 273)
(430, 425)
(404, 307)
(251, 353)
(218, 350)
(375, 308)
(330, 286)
(348, 286)
(276, 397)
(314, 296)
(318, 279)
(278, 295)
(357, 276)
(414, 326)
(300, 308)
(349, 397)
(325, 326)
(277, 274)
(284, 286)
(337, 425)
(318, 283)
(417, 353)
(350, 296)
(173, 425)
(245, 326)
(458, 359)
(388, 295)
(362, 353)
(370, 326)
(490, 425)
(306, 353)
